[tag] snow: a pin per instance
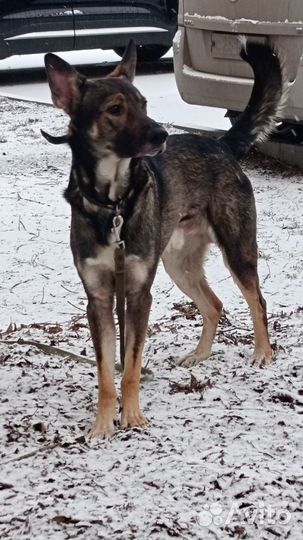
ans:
(221, 456)
(165, 104)
(219, 18)
(27, 61)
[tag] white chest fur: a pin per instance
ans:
(112, 170)
(92, 267)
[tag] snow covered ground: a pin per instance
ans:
(222, 455)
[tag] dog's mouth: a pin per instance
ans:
(154, 141)
(151, 150)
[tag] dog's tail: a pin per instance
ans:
(266, 100)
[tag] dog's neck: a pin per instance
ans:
(101, 181)
(99, 173)
(84, 199)
(112, 176)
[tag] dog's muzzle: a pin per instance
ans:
(155, 141)
(156, 136)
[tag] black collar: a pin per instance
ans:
(135, 186)
(141, 172)
(105, 202)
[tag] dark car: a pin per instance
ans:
(37, 26)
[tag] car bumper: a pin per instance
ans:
(209, 70)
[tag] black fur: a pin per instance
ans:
(268, 88)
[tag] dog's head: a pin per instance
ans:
(108, 113)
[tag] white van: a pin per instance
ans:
(207, 65)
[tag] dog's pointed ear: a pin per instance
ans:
(127, 67)
(64, 82)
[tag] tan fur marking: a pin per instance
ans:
(263, 351)
(131, 414)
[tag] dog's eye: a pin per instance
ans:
(115, 110)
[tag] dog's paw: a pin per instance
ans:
(131, 416)
(103, 428)
(262, 359)
(193, 359)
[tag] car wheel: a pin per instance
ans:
(146, 53)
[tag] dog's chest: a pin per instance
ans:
(112, 173)
(92, 269)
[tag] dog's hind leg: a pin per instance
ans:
(234, 222)
(184, 266)
(138, 307)
(245, 275)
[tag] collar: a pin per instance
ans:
(77, 196)
(119, 205)
(107, 203)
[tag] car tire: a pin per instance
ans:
(146, 53)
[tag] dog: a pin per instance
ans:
(175, 196)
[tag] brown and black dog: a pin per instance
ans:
(175, 194)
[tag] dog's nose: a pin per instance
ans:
(157, 135)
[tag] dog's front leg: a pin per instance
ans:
(101, 321)
(138, 307)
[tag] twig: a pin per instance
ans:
(147, 374)
(32, 453)
(261, 451)
(20, 222)
(34, 236)
(19, 198)
(43, 266)
(19, 283)
(77, 307)
(66, 289)
(42, 299)
(224, 279)
(268, 273)
(215, 410)
(50, 349)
